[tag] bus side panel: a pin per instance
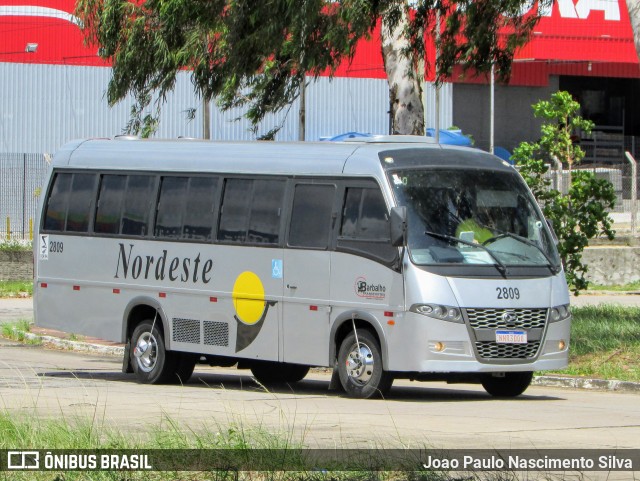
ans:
(249, 287)
(68, 297)
(217, 299)
(306, 307)
(362, 285)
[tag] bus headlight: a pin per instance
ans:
(560, 313)
(438, 311)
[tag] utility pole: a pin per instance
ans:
(206, 119)
(492, 100)
(302, 113)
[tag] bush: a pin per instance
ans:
(582, 213)
(12, 245)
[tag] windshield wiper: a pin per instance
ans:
(552, 267)
(502, 268)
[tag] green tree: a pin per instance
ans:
(582, 213)
(256, 53)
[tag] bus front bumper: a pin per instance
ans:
(441, 346)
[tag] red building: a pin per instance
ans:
(583, 46)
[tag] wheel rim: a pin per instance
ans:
(146, 352)
(360, 363)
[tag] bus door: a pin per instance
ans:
(307, 274)
(365, 274)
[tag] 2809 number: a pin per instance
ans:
(56, 246)
(508, 293)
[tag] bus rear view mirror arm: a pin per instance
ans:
(398, 226)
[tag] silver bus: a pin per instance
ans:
(382, 258)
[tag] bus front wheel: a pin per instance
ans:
(152, 363)
(360, 366)
(512, 384)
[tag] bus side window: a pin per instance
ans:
(364, 215)
(109, 211)
(137, 203)
(234, 215)
(251, 211)
(311, 216)
(171, 207)
(201, 208)
(364, 229)
(83, 191)
(266, 210)
(56, 214)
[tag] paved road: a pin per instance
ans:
(12, 309)
(35, 381)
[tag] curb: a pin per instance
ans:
(546, 381)
(75, 345)
(588, 384)
(609, 293)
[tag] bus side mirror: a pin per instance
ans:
(398, 226)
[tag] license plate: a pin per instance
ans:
(511, 337)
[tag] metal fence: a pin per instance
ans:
(618, 166)
(22, 177)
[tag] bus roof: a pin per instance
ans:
(360, 156)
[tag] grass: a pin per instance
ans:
(16, 288)
(15, 245)
(247, 446)
(631, 286)
(605, 343)
(17, 331)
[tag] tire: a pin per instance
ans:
(511, 385)
(151, 362)
(360, 369)
(184, 366)
(278, 372)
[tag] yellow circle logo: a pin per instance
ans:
(248, 298)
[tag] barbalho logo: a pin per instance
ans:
(369, 290)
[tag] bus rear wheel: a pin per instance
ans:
(152, 363)
(268, 372)
(360, 366)
(512, 384)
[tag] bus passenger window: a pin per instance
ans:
(109, 209)
(201, 208)
(266, 208)
(311, 216)
(171, 207)
(235, 210)
(56, 215)
(80, 200)
(135, 218)
(251, 211)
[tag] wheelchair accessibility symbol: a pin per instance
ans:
(276, 268)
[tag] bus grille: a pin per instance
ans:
(216, 333)
(493, 318)
(186, 330)
(493, 350)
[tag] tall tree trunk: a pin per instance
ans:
(634, 13)
(405, 92)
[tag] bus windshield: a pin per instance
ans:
(473, 216)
